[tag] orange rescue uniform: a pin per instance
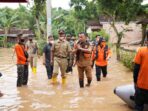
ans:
(21, 59)
(141, 58)
(100, 61)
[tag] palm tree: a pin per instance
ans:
(6, 22)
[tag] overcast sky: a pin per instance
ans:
(55, 3)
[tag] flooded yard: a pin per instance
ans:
(41, 95)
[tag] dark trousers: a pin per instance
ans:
(25, 76)
(49, 69)
(99, 69)
(22, 75)
(141, 97)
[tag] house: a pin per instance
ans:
(93, 25)
(12, 36)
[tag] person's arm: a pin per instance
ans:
(109, 53)
(52, 54)
(89, 50)
(136, 72)
(19, 54)
(137, 61)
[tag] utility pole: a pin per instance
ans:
(48, 7)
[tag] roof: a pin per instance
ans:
(8, 35)
(17, 31)
(143, 21)
(94, 23)
(15, 35)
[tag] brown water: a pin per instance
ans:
(41, 95)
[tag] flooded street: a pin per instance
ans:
(41, 95)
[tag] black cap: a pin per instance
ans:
(61, 32)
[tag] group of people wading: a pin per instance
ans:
(63, 54)
(67, 52)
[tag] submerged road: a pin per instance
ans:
(41, 95)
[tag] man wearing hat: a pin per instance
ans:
(141, 77)
(32, 49)
(60, 51)
(21, 54)
(101, 54)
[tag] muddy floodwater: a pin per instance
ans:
(41, 95)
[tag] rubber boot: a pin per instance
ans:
(88, 83)
(98, 79)
(1, 94)
(104, 75)
(54, 80)
(81, 83)
(63, 81)
(34, 70)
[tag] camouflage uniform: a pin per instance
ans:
(61, 50)
(32, 51)
(70, 58)
(83, 61)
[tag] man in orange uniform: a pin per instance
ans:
(22, 78)
(101, 55)
(141, 77)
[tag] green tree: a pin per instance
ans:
(8, 20)
(65, 19)
(142, 17)
(85, 10)
(119, 10)
(38, 10)
(113, 10)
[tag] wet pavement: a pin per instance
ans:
(41, 95)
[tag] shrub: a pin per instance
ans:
(10, 45)
(127, 58)
(102, 33)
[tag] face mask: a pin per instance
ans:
(51, 42)
(22, 40)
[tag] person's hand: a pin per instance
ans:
(51, 62)
(43, 62)
(135, 86)
(78, 47)
(108, 58)
(28, 60)
(26, 63)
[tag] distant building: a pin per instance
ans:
(12, 35)
(93, 25)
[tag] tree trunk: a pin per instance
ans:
(118, 41)
(5, 38)
(38, 25)
(143, 33)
